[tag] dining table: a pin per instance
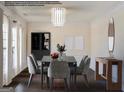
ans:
(47, 59)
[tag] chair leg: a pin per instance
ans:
(44, 77)
(69, 82)
(51, 83)
(30, 79)
(71, 77)
(66, 84)
(41, 80)
(85, 77)
(47, 82)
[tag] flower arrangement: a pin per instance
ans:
(54, 55)
(61, 48)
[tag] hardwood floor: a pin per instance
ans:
(20, 84)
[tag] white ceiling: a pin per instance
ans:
(75, 10)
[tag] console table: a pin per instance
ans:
(107, 72)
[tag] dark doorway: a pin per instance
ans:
(40, 44)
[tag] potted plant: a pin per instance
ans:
(60, 49)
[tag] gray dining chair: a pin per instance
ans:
(38, 66)
(37, 63)
(83, 69)
(82, 63)
(32, 69)
(59, 70)
(83, 60)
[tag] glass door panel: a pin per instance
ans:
(14, 49)
(5, 49)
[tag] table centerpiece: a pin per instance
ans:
(54, 55)
(60, 49)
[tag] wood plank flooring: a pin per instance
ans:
(19, 84)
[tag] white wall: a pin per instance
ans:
(58, 35)
(99, 37)
(1, 48)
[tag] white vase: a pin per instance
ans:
(61, 56)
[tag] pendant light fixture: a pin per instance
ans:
(58, 16)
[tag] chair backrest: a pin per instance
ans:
(35, 61)
(31, 65)
(86, 65)
(83, 61)
(85, 56)
(58, 69)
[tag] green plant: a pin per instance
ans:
(60, 48)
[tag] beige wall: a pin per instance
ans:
(99, 39)
(58, 35)
(1, 48)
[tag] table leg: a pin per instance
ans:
(42, 75)
(47, 82)
(75, 74)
